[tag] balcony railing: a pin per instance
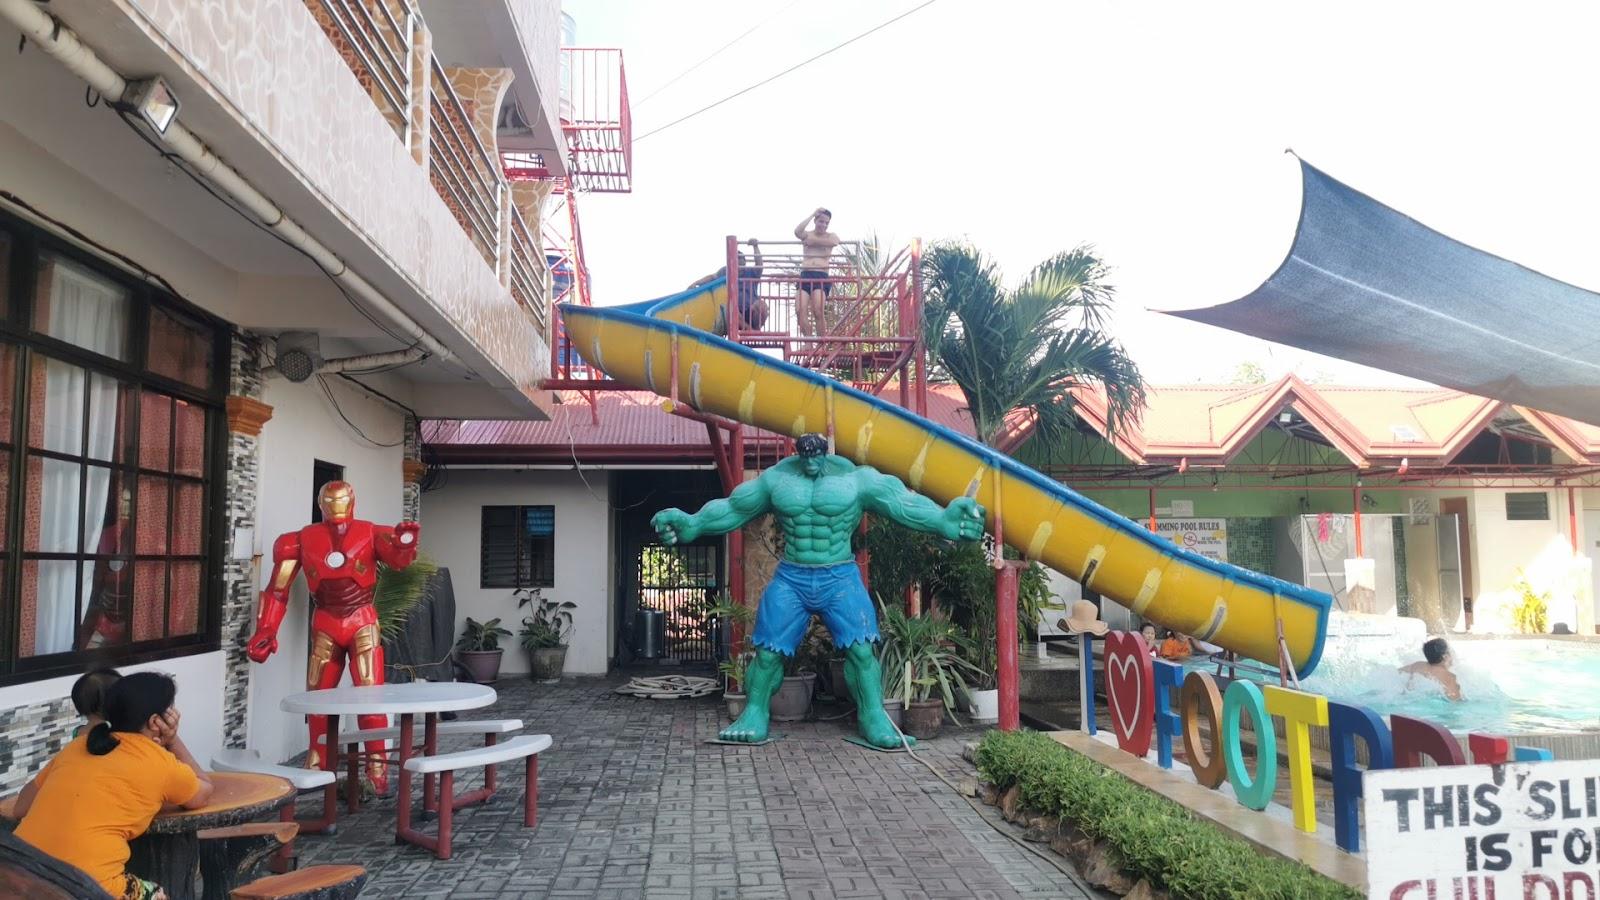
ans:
(463, 172)
(375, 38)
(529, 272)
(597, 119)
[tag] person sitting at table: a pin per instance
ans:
(103, 789)
(89, 697)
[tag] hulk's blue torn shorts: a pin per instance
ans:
(834, 593)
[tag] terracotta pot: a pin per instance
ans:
(545, 664)
(792, 701)
(924, 718)
(736, 703)
(482, 665)
(894, 708)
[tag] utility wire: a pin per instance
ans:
(800, 65)
(714, 54)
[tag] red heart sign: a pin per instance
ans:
(1130, 690)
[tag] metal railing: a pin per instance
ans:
(529, 273)
(463, 172)
(374, 37)
(597, 120)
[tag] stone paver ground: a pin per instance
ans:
(634, 803)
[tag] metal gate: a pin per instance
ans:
(683, 583)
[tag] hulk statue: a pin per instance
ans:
(819, 499)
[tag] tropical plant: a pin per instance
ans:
(733, 668)
(921, 656)
(550, 622)
(1023, 350)
(741, 617)
(398, 591)
(481, 636)
(1532, 612)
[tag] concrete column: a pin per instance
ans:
(246, 416)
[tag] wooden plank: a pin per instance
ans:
(313, 883)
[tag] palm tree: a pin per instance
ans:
(1024, 349)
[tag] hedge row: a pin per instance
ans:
(1150, 836)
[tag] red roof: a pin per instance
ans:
(1203, 424)
(632, 427)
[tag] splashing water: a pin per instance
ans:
(1510, 686)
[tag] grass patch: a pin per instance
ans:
(1151, 836)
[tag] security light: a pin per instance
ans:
(154, 100)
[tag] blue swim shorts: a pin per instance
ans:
(796, 592)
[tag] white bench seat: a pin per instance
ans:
(392, 732)
(518, 747)
(250, 761)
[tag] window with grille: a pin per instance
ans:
(1531, 506)
(518, 547)
(110, 450)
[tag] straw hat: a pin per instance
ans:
(1084, 617)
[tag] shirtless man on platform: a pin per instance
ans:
(819, 499)
(814, 286)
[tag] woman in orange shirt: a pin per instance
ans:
(1176, 647)
(102, 790)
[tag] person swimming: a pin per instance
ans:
(1435, 664)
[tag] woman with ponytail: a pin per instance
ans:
(102, 790)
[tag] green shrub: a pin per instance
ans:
(1151, 836)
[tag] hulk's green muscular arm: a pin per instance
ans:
(888, 496)
(746, 502)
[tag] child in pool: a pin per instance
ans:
(1435, 664)
(105, 787)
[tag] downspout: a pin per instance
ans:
(60, 42)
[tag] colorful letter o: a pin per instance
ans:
(1243, 697)
(1200, 698)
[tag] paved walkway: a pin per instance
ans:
(634, 803)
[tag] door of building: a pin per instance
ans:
(1591, 530)
(682, 581)
(1457, 507)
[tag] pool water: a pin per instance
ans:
(1507, 686)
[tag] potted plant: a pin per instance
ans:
(727, 613)
(792, 701)
(924, 664)
(479, 651)
(544, 634)
(733, 669)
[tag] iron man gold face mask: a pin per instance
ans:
(337, 501)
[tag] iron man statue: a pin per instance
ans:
(340, 556)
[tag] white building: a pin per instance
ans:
(324, 168)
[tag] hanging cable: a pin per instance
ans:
(797, 66)
(328, 392)
(674, 80)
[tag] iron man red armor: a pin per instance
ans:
(340, 556)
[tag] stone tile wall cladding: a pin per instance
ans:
(30, 735)
(238, 575)
(1250, 544)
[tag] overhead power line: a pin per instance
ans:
(800, 65)
(714, 54)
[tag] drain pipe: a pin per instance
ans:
(60, 42)
(393, 358)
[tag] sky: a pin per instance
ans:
(1153, 131)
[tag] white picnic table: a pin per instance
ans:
(428, 698)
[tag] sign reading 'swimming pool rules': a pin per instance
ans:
(1522, 830)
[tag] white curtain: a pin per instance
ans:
(92, 313)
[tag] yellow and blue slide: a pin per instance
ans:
(1047, 521)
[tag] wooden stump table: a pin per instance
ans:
(169, 853)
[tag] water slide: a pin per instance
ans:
(1120, 559)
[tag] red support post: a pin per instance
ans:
(1010, 674)
(1572, 517)
(730, 306)
(736, 538)
(1360, 546)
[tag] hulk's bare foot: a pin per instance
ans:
(865, 678)
(877, 730)
(762, 678)
(749, 728)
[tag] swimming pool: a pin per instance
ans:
(1509, 685)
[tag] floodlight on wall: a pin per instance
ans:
(154, 101)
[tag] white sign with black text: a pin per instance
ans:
(1207, 537)
(1521, 830)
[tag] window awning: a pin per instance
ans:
(1371, 285)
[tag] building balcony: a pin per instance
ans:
(372, 132)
